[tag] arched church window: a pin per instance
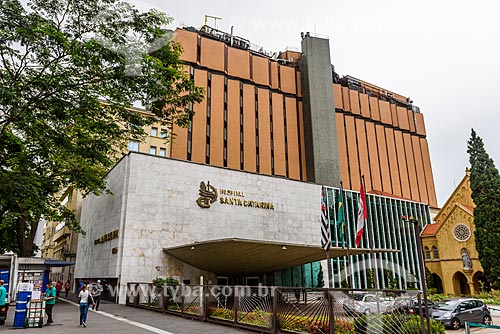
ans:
(435, 252)
(427, 252)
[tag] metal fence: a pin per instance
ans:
(267, 309)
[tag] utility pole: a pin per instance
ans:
(421, 265)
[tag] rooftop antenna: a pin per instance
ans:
(212, 17)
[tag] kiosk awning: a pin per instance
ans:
(235, 256)
(58, 263)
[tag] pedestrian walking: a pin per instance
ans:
(96, 294)
(3, 303)
(3, 293)
(58, 288)
(80, 284)
(67, 287)
(297, 293)
(50, 301)
(85, 297)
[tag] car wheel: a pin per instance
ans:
(487, 320)
(455, 323)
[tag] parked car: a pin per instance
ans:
(408, 305)
(455, 312)
(365, 304)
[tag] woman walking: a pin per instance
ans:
(67, 287)
(85, 298)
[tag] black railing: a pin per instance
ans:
(270, 309)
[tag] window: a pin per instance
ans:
(369, 299)
(461, 232)
(152, 150)
(468, 305)
(163, 133)
(427, 253)
(435, 253)
(163, 152)
(133, 146)
(138, 104)
(154, 132)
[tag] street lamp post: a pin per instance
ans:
(422, 268)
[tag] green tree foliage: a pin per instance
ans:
(69, 70)
(485, 186)
(320, 279)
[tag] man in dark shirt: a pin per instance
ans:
(96, 294)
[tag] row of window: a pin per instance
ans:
(162, 152)
(154, 132)
(427, 252)
(133, 145)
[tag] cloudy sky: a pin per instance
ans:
(444, 54)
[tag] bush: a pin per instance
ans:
(438, 296)
(316, 325)
(489, 297)
(158, 283)
(413, 326)
(221, 313)
(492, 297)
(394, 324)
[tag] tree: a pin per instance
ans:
(370, 279)
(485, 186)
(320, 280)
(64, 101)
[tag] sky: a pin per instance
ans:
(443, 54)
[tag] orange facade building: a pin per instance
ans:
(291, 115)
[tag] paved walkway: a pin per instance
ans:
(117, 319)
(120, 319)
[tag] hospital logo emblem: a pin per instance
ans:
(208, 195)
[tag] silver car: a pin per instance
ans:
(455, 312)
(365, 304)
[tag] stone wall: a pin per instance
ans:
(155, 200)
(101, 215)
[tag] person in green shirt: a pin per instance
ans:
(50, 300)
(3, 293)
(3, 306)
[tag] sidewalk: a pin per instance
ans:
(117, 319)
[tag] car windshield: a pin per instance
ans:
(358, 297)
(447, 305)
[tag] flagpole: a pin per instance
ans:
(326, 230)
(346, 241)
(372, 242)
(362, 215)
(329, 269)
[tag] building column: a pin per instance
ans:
(320, 125)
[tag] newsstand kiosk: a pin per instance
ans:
(24, 292)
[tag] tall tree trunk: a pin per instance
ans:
(21, 240)
(24, 240)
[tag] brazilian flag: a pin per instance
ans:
(341, 217)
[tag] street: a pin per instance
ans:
(116, 319)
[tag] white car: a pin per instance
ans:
(365, 304)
